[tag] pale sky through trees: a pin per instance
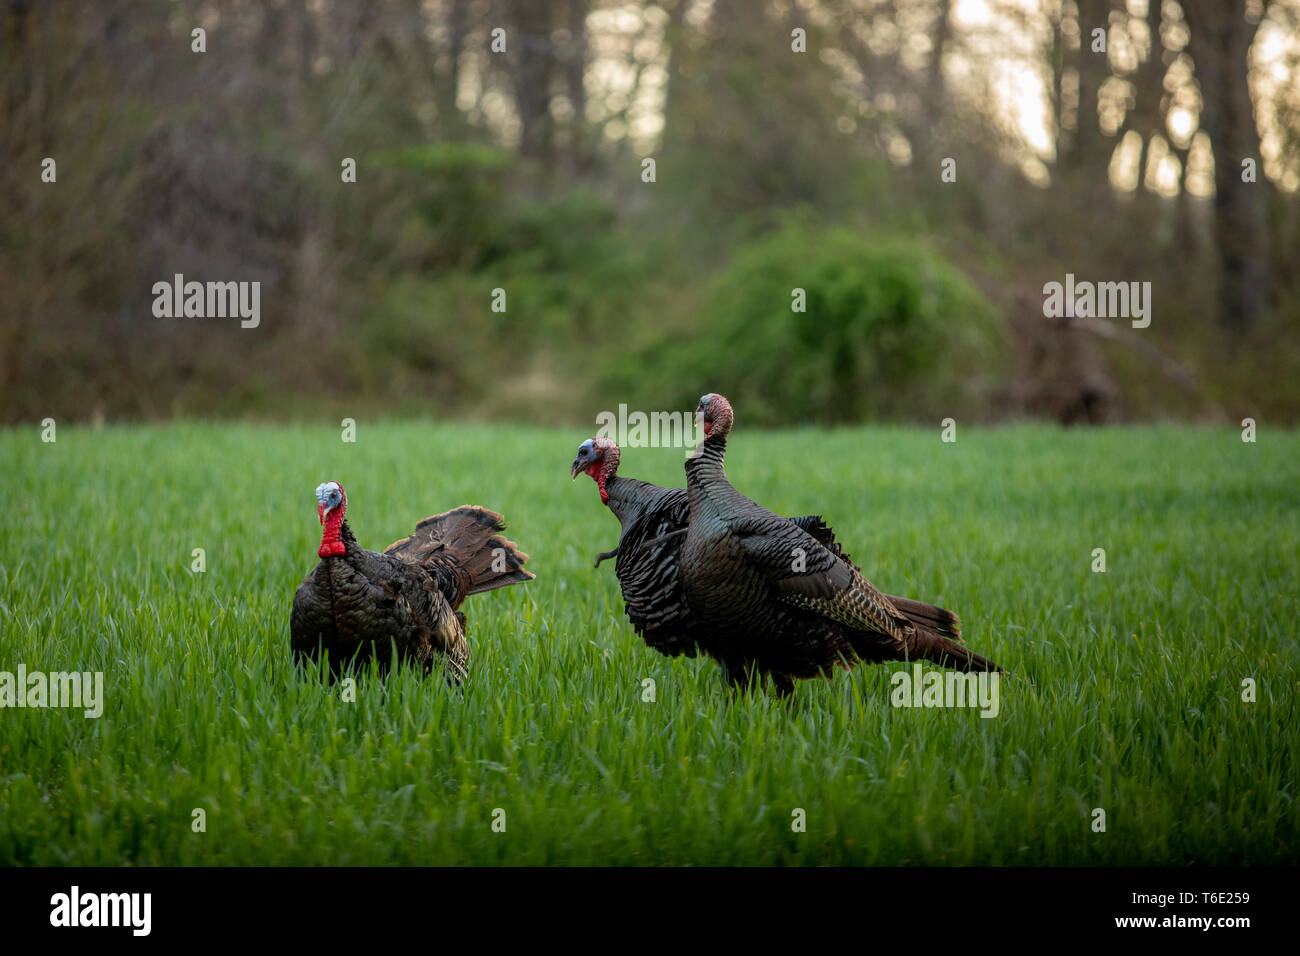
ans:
(994, 63)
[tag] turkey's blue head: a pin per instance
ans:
(331, 508)
(598, 457)
(714, 414)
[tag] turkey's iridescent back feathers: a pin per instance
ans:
(654, 521)
(771, 598)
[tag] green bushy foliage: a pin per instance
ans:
(454, 194)
(886, 325)
(429, 338)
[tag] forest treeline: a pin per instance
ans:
(531, 211)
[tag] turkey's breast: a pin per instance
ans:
(363, 604)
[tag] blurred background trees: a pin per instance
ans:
(521, 169)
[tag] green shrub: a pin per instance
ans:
(452, 196)
(889, 328)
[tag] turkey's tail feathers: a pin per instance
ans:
(923, 644)
(939, 620)
(469, 538)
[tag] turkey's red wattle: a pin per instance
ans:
(599, 473)
(331, 544)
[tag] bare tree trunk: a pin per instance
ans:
(674, 37)
(447, 80)
(575, 80)
(534, 56)
(1089, 151)
(1220, 39)
(934, 98)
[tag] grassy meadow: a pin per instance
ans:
(1126, 692)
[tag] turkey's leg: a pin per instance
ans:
(739, 675)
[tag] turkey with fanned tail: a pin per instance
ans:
(357, 604)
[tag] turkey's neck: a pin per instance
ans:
(704, 471)
(707, 463)
(603, 472)
(613, 496)
(627, 497)
(335, 536)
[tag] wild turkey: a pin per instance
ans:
(653, 520)
(773, 600)
(357, 604)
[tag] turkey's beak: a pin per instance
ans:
(574, 469)
(320, 513)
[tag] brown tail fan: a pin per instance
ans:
(471, 535)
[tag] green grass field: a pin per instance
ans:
(1126, 693)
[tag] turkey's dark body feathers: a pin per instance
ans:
(362, 604)
(646, 563)
(654, 521)
(772, 599)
